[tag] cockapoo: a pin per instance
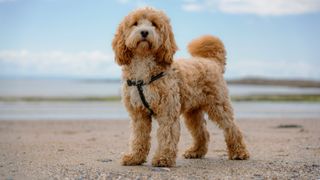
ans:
(157, 87)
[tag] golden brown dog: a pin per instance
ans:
(144, 46)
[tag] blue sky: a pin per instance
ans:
(72, 38)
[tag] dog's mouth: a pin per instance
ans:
(144, 43)
(143, 40)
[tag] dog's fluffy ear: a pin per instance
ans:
(168, 47)
(123, 55)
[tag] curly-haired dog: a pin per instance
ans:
(156, 86)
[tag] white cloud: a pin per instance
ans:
(93, 64)
(270, 7)
(97, 64)
(193, 7)
(258, 7)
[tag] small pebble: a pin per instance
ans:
(161, 169)
(104, 160)
(289, 126)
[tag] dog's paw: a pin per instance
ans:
(240, 155)
(194, 154)
(163, 162)
(131, 160)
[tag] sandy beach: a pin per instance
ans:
(280, 149)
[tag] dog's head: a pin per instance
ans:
(143, 32)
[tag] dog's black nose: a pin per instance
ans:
(144, 34)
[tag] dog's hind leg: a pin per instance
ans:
(196, 124)
(222, 114)
(139, 140)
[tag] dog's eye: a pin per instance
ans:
(135, 24)
(154, 24)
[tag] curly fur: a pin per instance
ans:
(190, 88)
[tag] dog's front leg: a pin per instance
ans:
(168, 135)
(139, 140)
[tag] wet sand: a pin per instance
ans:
(280, 148)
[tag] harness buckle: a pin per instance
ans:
(130, 83)
(139, 83)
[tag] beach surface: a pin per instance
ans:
(280, 149)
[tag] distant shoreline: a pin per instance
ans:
(303, 83)
(99, 90)
(244, 98)
(239, 81)
(276, 82)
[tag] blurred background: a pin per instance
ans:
(56, 60)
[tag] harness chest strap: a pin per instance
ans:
(139, 85)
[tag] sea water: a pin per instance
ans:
(101, 110)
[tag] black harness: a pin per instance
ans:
(139, 85)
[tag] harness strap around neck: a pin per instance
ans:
(139, 85)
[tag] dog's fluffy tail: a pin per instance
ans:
(209, 47)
